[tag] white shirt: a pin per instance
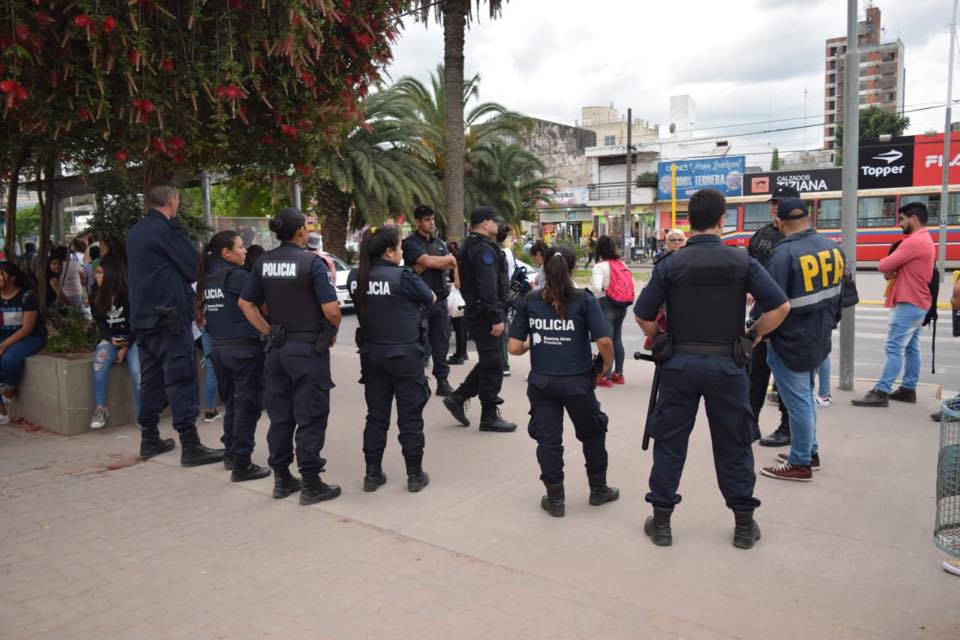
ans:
(600, 278)
(511, 262)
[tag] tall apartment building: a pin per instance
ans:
(882, 75)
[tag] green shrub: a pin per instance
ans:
(70, 333)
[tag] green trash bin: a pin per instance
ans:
(946, 533)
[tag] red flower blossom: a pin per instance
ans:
(15, 91)
(135, 57)
(142, 108)
(176, 142)
(289, 131)
(84, 114)
(168, 65)
(120, 156)
(86, 23)
(109, 24)
(42, 17)
(230, 92)
(22, 32)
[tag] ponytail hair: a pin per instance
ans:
(211, 251)
(559, 262)
(373, 244)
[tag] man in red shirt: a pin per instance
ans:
(910, 267)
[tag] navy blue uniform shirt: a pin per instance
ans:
(560, 346)
(225, 320)
(253, 291)
(416, 245)
(161, 266)
(809, 267)
(759, 283)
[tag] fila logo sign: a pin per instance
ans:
(936, 160)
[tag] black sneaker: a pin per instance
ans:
(498, 425)
(874, 398)
(457, 409)
(904, 395)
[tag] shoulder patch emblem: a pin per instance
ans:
(487, 257)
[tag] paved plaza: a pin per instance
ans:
(96, 544)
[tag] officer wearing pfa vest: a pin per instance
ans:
(390, 300)
(428, 255)
(704, 354)
(560, 322)
(304, 317)
(161, 269)
(485, 287)
(760, 247)
(237, 353)
(809, 267)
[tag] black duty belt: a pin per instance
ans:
(303, 336)
(236, 342)
(705, 349)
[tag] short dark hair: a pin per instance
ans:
(29, 247)
(539, 248)
(705, 209)
(917, 209)
(160, 193)
(423, 211)
(606, 248)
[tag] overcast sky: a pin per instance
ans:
(744, 63)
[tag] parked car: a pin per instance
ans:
(343, 270)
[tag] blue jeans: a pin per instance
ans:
(902, 338)
(796, 391)
(103, 360)
(210, 379)
(11, 363)
(615, 315)
(823, 378)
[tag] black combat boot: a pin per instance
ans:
(657, 527)
(284, 483)
(552, 503)
(374, 478)
(244, 470)
(443, 387)
(228, 463)
(779, 438)
(490, 420)
(600, 493)
(151, 444)
(457, 408)
(746, 531)
(417, 478)
(315, 490)
(193, 453)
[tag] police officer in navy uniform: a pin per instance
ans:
(560, 322)
(428, 256)
(390, 301)
(161, 268)
(761, 246)
(237, 351)
(485, 286)
(704, 353)
(304, 317)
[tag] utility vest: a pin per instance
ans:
(706, 295)
(287, 281)
(390, 319)
(221, 308)
(468, 263)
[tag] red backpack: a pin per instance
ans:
(620, 290)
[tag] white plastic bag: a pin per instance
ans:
(455, 303)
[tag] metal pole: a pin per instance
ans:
(947, 131)
(851, 164)
(205, 198)
(627, 218)
(296, 195)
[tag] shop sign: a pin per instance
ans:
(885, 165)
(812, 181)
(723, 174)
(928, 160)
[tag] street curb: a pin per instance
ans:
(944, 306)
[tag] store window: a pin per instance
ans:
(609, 141)
(755, 215)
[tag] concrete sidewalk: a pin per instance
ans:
(97, 544)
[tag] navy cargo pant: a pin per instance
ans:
(168, 375)
(549, 397)
(438, 323)
(724, 387)
(297, 393)
(239, 369)
(486, 377)
(393, 371)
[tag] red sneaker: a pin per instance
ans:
(618, 378)
(814, 460)
(604, 382)
(787, 471)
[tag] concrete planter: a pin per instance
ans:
(56, 393)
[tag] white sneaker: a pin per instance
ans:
(4, 418)
(952, 566)
(210, 416)
(823, 401)
(100, 415)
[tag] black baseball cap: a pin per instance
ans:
(782, 191)
(787, 208)
(481, 214)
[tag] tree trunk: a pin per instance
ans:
(10, 243)
(46, 217)
(333, 207)
(454, 27)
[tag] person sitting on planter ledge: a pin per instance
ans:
(22, 331)
(111, 311)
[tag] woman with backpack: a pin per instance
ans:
(612, 283)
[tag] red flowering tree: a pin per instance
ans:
(249, 87)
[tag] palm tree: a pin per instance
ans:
(376, 173)
(454, 15)
(509, 178)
